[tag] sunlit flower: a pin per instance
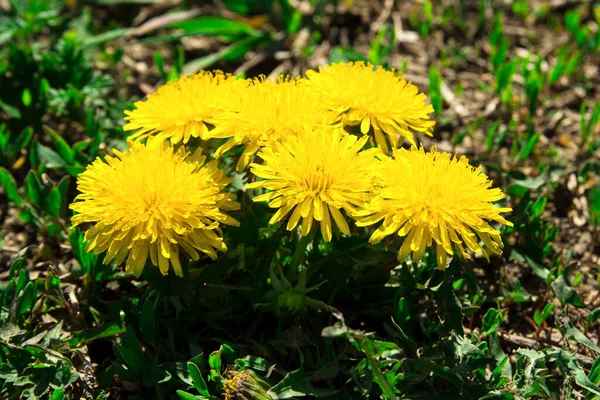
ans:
(313, 176)
(361, 94)
(181, 109)
(431, 197)
(150, 201)
(265, 112)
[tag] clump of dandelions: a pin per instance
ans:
(181, 109)
(429, 197)
(313, 176)
(265, 112)
(371, 97)
(149, 202)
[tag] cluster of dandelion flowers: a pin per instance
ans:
(181, 109)
(148, 202)
(372, 97)
(431, 197)
(313, 176)
(267, 111)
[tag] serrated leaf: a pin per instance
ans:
(575, 334)
(565, 293)
(582, 380)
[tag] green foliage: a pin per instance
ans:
(435, 90)
(277, 316)
(422, 19)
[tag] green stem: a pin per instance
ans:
(300, 253)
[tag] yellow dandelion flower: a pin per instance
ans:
(150, 201)
(265, 112)
(361, 94)
(181, 109)
(315, 174)
(431, 197)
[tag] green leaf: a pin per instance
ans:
(110, 2)
(33, 190)
(10, 187)
(104, 37)
(529, 146)
(49, 157)
(28, 299)
(26, 97)
(147, 319)
(215, 26)
(254, 362)
(565, 293)
(492, 320)
(7, 108)
(99, 332)
(464, 347)
(58, 394)
(232, 52)
(186, 396)
(158, 62)
(594, 206)
(582, 380)
(131, 359)
(52, 202)
(214, 362)
(538, 208)
(24, 139)
(440, 370)
(403, 314)
(547, 310)
(575, 334)
(297, 384)
(199, 382)
(594, 374)
(64, 150)
(345, 54)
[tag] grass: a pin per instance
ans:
(514, 87)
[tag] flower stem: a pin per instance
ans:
(299, 253)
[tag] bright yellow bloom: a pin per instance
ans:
(150, 201)
(361, 94)
(433, 196)
(181, 109)
(265, 112)
(316, 174)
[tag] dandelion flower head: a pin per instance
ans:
(267, 111)
(429, 197)
(149, 202)
(313, 176)
(181, 109)
(361, 94)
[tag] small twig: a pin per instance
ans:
(161, 21)
(383, 17)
